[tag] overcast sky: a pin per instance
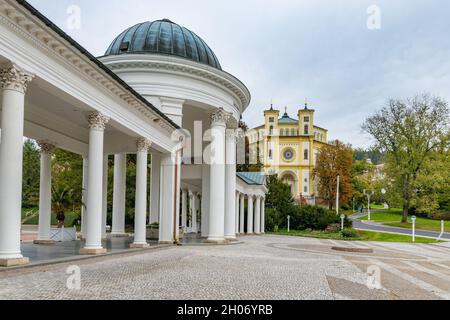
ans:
(287, 50)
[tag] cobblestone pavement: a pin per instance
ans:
(266, 267)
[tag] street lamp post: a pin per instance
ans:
(337, 194)
(368, 193)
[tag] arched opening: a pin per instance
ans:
(291, 180)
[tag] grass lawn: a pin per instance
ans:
(70, 217)
(362, 236)
(393, 218)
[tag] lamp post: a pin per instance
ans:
(289, 224)
(413, 219)
(368, 193)
(337, 194)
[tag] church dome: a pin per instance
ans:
(166, 38)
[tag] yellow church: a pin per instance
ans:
(288, 147)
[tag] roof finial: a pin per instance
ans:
(306, 103)
(271, 104)
(285, 111)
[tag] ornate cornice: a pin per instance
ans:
(46, 147)
(143, 145)
(220, 117)
(180, 66)
(97, 121)
(15, 78)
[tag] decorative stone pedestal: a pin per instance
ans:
(92, 252)
(119, 235)
(139, 246)
(14, 262)
(44, 242)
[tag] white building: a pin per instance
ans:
(156, 79)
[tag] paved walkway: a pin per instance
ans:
(371, 226)
(266, 267)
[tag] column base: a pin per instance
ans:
(44, 242)
(139, 246)
(14, 262)
(166, 242)
(217, 241)
(92, 252)
(232, 239)
(119, 235)
(250, 234)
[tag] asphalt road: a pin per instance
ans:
(370, 226)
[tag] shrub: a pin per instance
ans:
(272, 219)
(313, 217)
(441, 216)
(349, 233)
(332, 228)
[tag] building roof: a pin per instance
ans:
(97, 62)
(163, 37)
(253, 178)
(285, 119)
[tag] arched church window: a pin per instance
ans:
(306, 130)
(306, 154)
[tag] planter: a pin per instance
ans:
(153, 232)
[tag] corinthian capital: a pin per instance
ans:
(143, 144)
(46, 147)
(97, 120)
(220, 117)
(15, 78)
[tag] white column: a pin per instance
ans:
(105, 196)
(257, 225)
(263, 215)
(205, 200)
(217, 178)
(97, 123)
(237, 213)
(250, 215)
(154, 188)
(84, 194)
(140, 212)
(119, 194)
(45, 194)
(13, 81)
(194, 213)
(242, 215)
(168, 199)
(184, 195)
(230, 186)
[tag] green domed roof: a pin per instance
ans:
(163, 37)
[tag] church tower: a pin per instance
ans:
(306, 121)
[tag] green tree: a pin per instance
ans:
(31, 174)
(333, 160)
(409, 132)
(62, 199)
(279, 198)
